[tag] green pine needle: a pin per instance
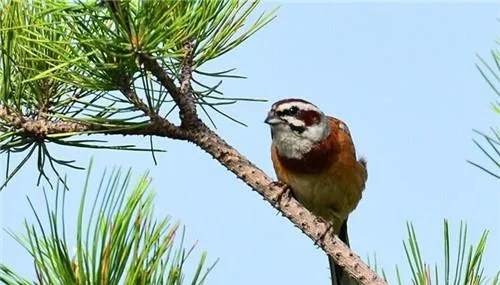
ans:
(118, 240)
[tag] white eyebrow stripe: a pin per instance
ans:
(300, 105)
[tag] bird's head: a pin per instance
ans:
(296, 126)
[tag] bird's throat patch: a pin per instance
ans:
(317, 160)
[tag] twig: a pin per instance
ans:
(187, 110)
(189, 117)
(138, 103)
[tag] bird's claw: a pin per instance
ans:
(284, 186)
(323, 235)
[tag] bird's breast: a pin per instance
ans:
(313, 190)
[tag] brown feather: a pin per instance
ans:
(317, 160)
(328, 180)
(310, 117)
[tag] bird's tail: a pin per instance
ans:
(339, 277)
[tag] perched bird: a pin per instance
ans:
(314, 155)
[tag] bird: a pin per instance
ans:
(314, 155)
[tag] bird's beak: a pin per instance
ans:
(272, 119)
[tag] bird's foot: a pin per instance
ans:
(279, 196)
(323, 235)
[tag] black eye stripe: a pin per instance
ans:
(298, 129)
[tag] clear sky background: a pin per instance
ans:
(401, 76)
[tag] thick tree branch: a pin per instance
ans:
(230, 158)
(42, 128)
(236, 163)
(199, 134)
(310, 225)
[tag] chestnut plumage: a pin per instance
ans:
(314, 155)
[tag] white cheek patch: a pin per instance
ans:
(295, 145)
(317, 132)
(294, 121)
(289, 143)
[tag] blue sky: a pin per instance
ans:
(402, 77)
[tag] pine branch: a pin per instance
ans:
(188, 114)
(45, 129)
(230, 158)
(187, 109)
(313, 227)
(117, 64)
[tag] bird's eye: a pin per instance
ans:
(293, 110)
